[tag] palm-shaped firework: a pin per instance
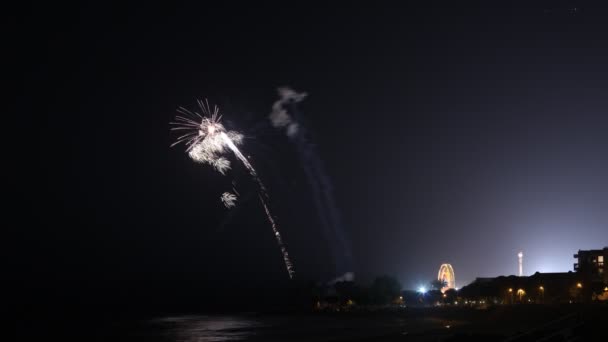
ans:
(207, 140)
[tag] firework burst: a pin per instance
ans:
(207, 140)
(204, 136)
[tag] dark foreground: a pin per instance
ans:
(570, 322)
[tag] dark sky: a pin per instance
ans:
(458, 135)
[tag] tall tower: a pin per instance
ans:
(520, 257)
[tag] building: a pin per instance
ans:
(589, 282)
(562, 287)
(592, 264)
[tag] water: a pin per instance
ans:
(253, 327)
(209, 328)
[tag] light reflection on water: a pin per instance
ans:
(291, 327)
(209, 328)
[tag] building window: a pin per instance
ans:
(600, 258)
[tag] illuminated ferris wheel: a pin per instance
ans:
(446, 274)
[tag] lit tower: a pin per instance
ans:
(520, 257)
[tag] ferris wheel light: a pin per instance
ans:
(446, 275)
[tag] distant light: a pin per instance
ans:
(606, 289)
(541, 288)
(579, 285)
(422, 289)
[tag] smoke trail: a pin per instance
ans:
(285, 115)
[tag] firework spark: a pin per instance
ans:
(207, 140)
(228, 199)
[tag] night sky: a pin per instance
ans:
(458, 135)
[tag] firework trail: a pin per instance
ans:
(284, 115)
(206, 140)
(263, 196)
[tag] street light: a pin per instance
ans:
(579, 291)
(521, 293)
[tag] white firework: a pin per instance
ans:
(228, 199)
(207, 140)
(205, 136)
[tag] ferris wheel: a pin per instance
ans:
(446, 274)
